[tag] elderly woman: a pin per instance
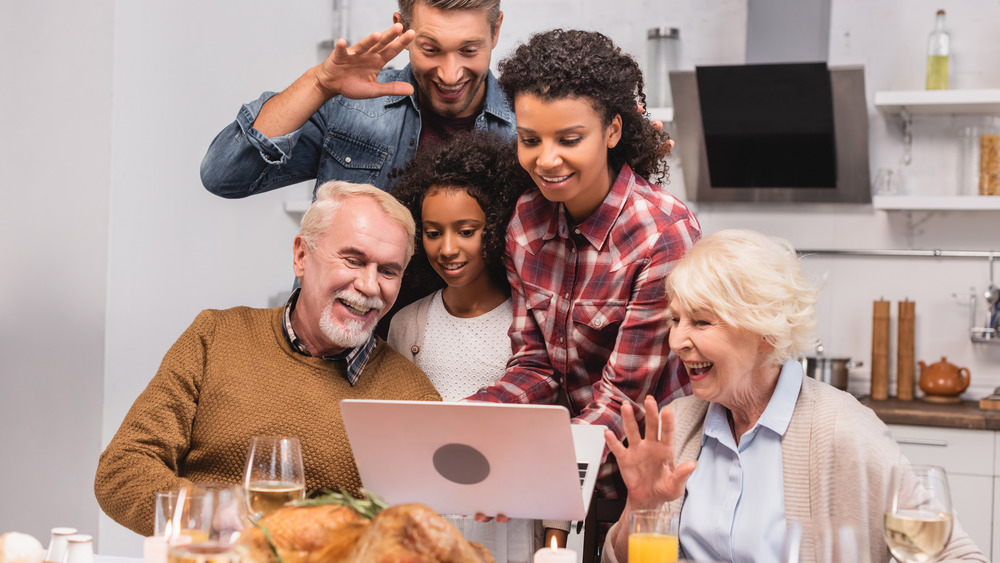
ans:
(757, 444)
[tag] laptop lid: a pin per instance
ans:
(523, 461)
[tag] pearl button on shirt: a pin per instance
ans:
(735, 505)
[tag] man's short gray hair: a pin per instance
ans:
(492, 8)
(331, 195)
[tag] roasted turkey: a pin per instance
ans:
(405, 533)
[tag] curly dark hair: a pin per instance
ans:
(560, 64)
(484, 166)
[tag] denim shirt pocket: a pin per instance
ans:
(598, 315)
(359, 161)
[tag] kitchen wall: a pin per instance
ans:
(55, 109)
(112, 246)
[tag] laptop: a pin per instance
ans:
(522, 461)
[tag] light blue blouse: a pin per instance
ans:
(734, 508)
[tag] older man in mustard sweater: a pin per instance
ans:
(243, 372)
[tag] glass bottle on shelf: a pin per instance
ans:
(662, 56)
(938, 53)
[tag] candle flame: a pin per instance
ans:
(168, 530)
(555, 545)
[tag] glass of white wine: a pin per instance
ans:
(918, 517)
(207, 520)
(274, 475)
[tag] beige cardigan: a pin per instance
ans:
(836, 456)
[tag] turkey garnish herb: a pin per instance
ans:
(368, 507)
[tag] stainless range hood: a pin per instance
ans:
(776, 129)
(789, 132)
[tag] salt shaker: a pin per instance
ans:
(57, 544)
(80, 549)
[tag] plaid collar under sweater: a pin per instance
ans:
(356, 358)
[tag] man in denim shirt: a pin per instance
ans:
(346, 120)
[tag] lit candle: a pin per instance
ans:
(555, 554)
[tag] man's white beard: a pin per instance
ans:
(352, 332)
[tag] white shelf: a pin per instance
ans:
(984, 101)
(936, 203)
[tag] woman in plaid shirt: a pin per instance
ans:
(588, 250)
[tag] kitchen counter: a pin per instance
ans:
(966, 414)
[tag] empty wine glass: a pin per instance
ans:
(207, 521)
(791, 550)
(274, 474)
(918, 517)
(825, 542)
(841, 542)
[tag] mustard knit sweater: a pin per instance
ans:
(231, 376)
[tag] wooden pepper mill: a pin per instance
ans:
(880, 350)
(905, 356)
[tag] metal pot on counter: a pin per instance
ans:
(829, 370)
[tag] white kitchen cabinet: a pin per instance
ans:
(971, 459)
(971, 496)
(996, 495)
(996, 513)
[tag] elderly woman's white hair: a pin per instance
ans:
(331, 194)
(750, 281)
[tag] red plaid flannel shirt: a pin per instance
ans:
(590, 306)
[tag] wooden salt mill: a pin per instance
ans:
(880, 350)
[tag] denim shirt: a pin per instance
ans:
(357, 141)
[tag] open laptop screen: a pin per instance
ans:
(464, 458)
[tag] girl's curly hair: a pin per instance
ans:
(586, 64)
(485, 167)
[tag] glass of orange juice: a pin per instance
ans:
(652, 536)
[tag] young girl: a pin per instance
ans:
(588, 250)
(461, 197)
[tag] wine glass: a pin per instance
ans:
(274, 474)
(207, 520)
(834, 542)
(842, 543)
(652, 536)
(791, 549)
(918, 518)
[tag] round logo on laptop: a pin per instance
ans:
(461, 463)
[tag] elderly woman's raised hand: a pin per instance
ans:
(647, 464)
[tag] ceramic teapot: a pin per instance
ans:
(943, 378)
